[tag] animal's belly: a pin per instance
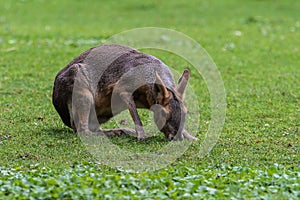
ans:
(106, 108)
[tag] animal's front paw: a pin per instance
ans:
(142, 137)
(140, 133)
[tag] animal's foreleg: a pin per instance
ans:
(128, 99)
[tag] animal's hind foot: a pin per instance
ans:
(89, 132)
(119, 132)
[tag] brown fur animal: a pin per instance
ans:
(108, 79)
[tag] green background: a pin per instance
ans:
(255, 45)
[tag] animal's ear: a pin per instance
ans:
(182, 82)
(162, 94)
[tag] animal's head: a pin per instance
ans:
(170, 112)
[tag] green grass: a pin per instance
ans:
(258, 153)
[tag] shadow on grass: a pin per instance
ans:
(57, 132)
(66, 133)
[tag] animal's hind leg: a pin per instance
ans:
(82, 105)
(93, 123)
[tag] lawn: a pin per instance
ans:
(256, 47)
